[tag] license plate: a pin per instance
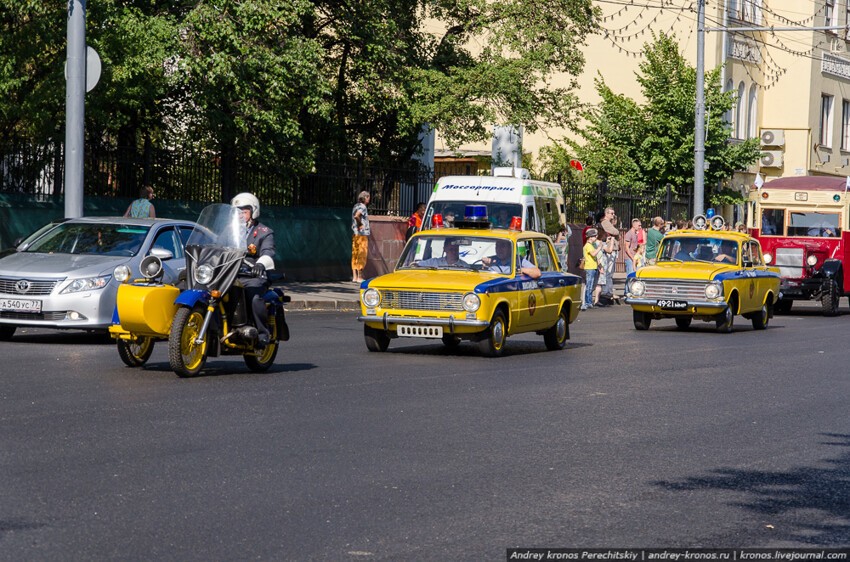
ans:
(20, 305)
(668, 304)
(420, 331)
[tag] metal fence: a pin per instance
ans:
(629, 202)
(193, 175)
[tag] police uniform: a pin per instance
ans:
(260, 250)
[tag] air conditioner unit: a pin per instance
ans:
(838, 46)
(772, 137)
(771, 159)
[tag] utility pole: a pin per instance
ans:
(699, 129)
(75, 107)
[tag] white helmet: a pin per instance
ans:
(247, 200)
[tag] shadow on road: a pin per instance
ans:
(813, 502)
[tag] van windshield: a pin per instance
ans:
(500, 214)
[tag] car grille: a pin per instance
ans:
(42, 316)
(417, 300)
(7, 287)
(790, 262)
(672, 289)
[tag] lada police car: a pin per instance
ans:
(706, 274)
(473, 282)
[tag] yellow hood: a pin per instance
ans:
(439, 280)
(687, 270)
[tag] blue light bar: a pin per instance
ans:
(475, 213)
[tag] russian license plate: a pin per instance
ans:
(420, 331)
(669, 304)
(20, 305)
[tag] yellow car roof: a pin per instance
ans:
(728, 234)
(483, 233)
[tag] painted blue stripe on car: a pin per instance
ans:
(744, 274)
(550, 280)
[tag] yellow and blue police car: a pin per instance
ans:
(705, 273)
(472, 282)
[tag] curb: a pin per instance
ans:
(339, 305)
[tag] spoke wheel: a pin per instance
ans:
(556, 337)
(829, 300)
(135, 353)
(683, 322)
(642, 320)
(184, 355)
(493, 344)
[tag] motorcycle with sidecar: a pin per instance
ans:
(207, 313)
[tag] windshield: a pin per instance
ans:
(500, 214)
(695, 248)
(220, 225)
(456, 253)
(91, 239)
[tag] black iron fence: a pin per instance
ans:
(628, 202)
(192, 175)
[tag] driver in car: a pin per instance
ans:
(451, 256)
(728, 253)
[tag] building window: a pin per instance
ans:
(752, 112)
(847, 21)
(829, 13)
(729, 115)
(825, 120)
(740, 118)
(750, 10)
(845, 125)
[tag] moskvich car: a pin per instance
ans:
(707, 274)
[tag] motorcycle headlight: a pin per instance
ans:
(87, 284)
(713, 290)
(371, 298)
(204, 274)
(812, 260)
(471, 302)
(121, 273)
(637, 287)
(768, 259)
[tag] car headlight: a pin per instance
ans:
(87, 284)
(471, 302)
(768, 259)
(121, 273)
(812, 260)
(637, 287)
(204, 274)
(713, 290)
(371, 298)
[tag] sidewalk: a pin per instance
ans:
(345, 296)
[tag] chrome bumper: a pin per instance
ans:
(691, 304)
(451, 321)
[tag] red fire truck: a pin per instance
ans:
(802, 225)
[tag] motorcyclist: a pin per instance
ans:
(259, 260)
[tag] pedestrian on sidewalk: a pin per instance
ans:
(633, 239)
(414, 223)
(360, 238)
(653, 239)
(142, 207)
(590, 265)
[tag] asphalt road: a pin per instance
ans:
(648, 439)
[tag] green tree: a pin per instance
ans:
(652, 144)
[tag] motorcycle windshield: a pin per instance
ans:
(220, 225)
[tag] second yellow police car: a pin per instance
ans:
(474, 283)
(708, 274)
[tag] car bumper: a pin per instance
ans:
(801, 288)
(90, 310)
(388, 322)
(694, 307)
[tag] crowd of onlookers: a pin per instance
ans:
(603, 242)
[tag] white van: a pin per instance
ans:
(508, 193)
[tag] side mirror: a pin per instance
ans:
(161, 253)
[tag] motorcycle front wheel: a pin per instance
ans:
(185, 356)
(135, 353)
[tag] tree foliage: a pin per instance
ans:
(294, 81)
(626, 142)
